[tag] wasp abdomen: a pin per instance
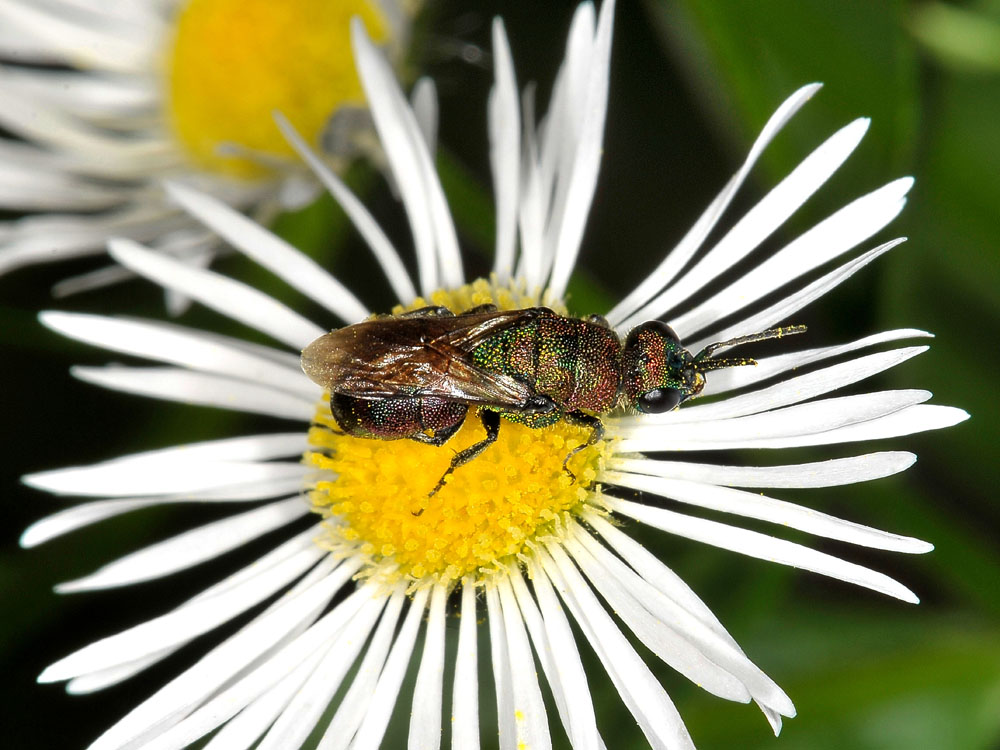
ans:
(395, 418)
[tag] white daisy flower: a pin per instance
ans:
(510, 537)
(106, 99)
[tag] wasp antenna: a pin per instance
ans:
(706, 365)
(772, 333)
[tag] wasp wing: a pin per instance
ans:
(392, 357)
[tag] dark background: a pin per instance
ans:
(692, 83)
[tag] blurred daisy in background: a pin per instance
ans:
(510, 536)
(103, 100)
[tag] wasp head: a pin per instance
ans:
(659, 373)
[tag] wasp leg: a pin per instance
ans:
(596, 433)
(487, 308)
(491, 423)
(431, 311)
(440, 437)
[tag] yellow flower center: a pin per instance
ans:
(490, 511)
(233, 62)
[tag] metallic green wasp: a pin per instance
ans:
(416, 375)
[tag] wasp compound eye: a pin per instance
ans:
(659, 400)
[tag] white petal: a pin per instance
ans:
(137, 476)
(767, 367)
(502, 680)
(411, 165)
(290, 360)
(596, 559)
(178, 697)
(505, 150)
(761, 546)
(677, 638)
(655, 573)
(425, 718)
(298, 721)
(677, 258)
(241, 450)
(110, 99)
(465, 695)
(200, 389)
(919, 418)
(532, 204)
(191, 548)
(773, 718)
(100, 43)
(643, 695)
(243, 730)
(25, 188)
(797, 389)
(794, 302)
(177, 304)
(582, 178)
(761, 507)
(760, 221)
(248, 448)
(831, 473)
(229, 297)
(271, 252)
(48, 238)
(355, 702)
(424, 103)
(304, 540)
(310, 646)
(16, 46)
(181, 624)
(103, 678)
(556, 649)
(813, 423)
(363, 221)
(79, 516)
(35, 120)
(532, 727)
(559, 130)
(664, 580)
(149, 339)
(383, 700)
(833, 236)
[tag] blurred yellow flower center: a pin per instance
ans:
(233, 62)
(488, 513)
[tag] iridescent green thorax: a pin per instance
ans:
(574, 362)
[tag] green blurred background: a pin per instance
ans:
(692, 83)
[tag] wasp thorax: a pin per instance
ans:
(658, 372)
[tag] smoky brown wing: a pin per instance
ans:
(470, 330)
(389, 357)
